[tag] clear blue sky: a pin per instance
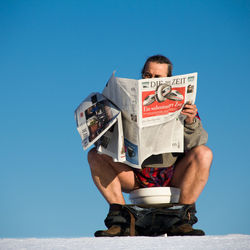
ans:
(54, 53)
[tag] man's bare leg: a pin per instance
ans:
(111, 178)
(191, 173)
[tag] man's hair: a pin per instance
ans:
(159, 59)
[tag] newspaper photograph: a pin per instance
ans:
(94, 116)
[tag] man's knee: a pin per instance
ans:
(96, 160)
(92, 157)
(203, 155)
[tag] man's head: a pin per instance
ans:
(157, 66)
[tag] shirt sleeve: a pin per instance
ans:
(194, 134)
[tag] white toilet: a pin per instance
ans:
(154, 195)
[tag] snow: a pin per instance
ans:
(234, 241)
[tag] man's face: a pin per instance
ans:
(155, 70)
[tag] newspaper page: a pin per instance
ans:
(151, 118)
(96, 117)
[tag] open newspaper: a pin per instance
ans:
(151, 121)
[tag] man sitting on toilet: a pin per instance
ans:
(188, 171)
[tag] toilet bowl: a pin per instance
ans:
(155, 195)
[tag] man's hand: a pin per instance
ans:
(190, 111)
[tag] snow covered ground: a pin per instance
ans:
(234, 241)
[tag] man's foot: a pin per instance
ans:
(184, 230)
(113, 231)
